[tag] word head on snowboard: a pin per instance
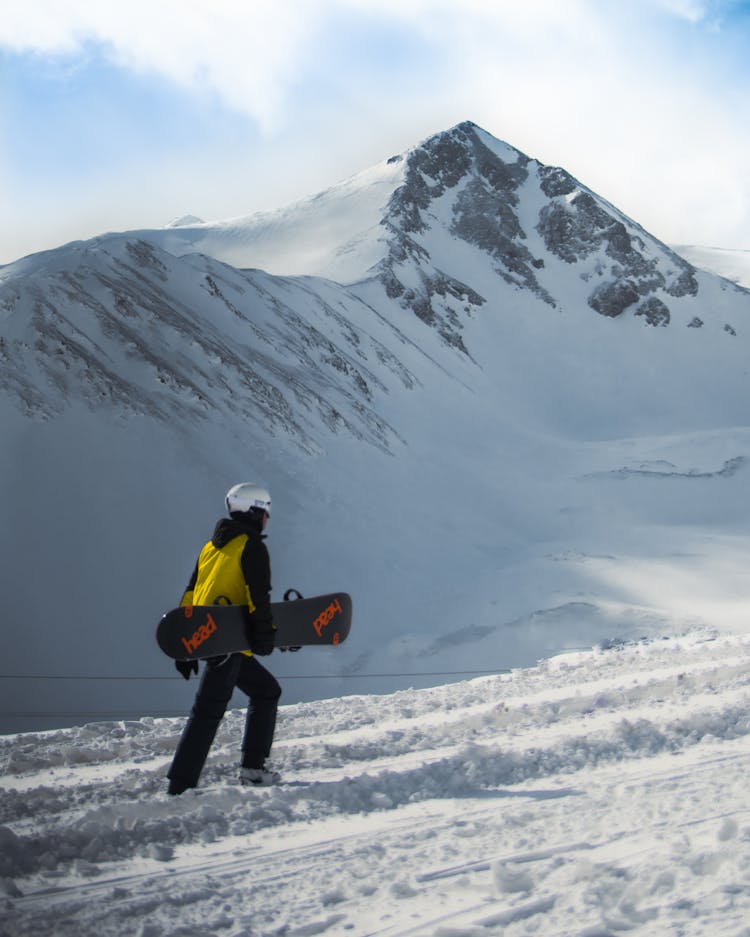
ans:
(194, 632)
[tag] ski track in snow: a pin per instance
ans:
(598, 793)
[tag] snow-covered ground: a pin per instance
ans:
(598, 793)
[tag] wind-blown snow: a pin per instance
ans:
(732, 264)
(335, 234)
(598, 793)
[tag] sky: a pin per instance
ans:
(117, 116)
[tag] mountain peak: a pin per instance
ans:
(533, 226)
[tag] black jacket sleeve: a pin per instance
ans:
(256, 568)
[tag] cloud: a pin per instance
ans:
(714, 15)
(251, 55)
(691, 10)
(245, 53)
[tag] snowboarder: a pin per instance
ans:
(233, 569)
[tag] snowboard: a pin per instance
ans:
(194, 632)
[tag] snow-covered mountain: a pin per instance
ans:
(488, 404)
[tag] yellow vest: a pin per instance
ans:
(220, 579)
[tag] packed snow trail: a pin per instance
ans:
(597, 793)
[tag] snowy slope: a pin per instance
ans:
(517, 424)
(118, 322)
(597, 793)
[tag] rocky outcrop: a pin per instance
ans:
(654, 311)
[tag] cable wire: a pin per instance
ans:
(300, 676)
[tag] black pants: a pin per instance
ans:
(211, 701)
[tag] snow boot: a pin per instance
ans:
(259, 777)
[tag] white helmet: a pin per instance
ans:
(246, 496)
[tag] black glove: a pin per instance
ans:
(294, 647)
(262, 642)
(186, 667)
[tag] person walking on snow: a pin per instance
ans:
(233, 569)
